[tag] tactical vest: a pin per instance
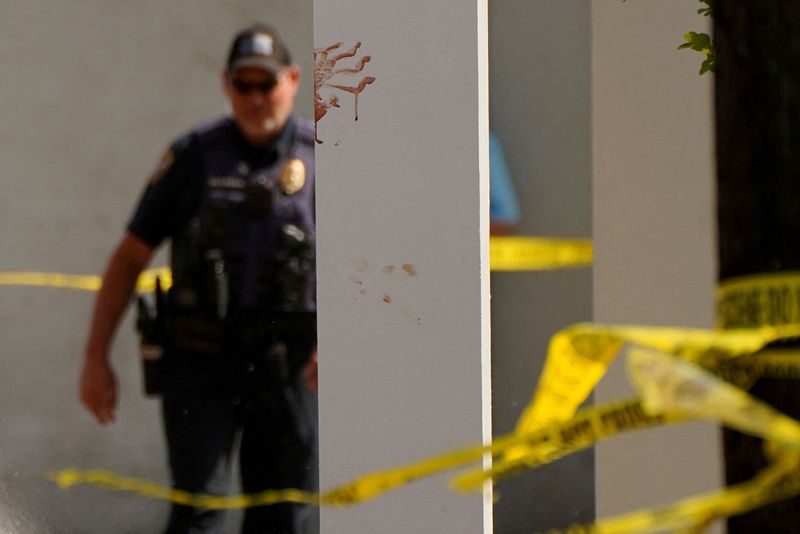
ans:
(249, 247)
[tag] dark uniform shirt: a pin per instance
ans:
(234, 213)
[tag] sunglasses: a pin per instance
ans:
(245, 88)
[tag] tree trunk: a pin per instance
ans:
(758, 156)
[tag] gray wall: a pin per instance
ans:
(539, 68)
(653, 227)
(91, 94)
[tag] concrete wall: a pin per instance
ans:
(653, 226)
(540, 109)
(92, 93)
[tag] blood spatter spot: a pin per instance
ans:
(410, 269)
(387, 299)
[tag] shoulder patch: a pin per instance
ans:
(167, 159)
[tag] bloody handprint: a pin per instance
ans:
(324, 65)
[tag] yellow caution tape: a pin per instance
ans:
(768, 363)
(516, 253)
(579, 356)
(758, 300)
(775, 483)
(520, 253)
(557, 440)
(685, 399)
(105, 479)
(544, 446)
(147, 280)
(584, 351)
(670, 386)
(549, 443)
(358, 491)
(145, 283)
(68, 281)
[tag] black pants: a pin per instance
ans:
(209, 404)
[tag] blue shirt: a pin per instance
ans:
(503, 205)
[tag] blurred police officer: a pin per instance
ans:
(235, 197)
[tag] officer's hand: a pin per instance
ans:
(309, 372)
(98, 390)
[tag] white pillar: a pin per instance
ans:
(402, 215)
(653, 227)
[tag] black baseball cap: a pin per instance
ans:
(258, 46)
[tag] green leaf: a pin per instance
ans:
(708, 66)
(701, 42)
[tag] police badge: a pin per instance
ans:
(292, 177)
